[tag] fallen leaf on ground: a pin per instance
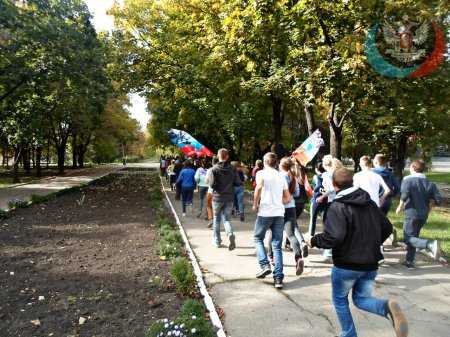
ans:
(36, 322)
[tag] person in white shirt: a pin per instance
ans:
(370, 182)
(330, 165)
(271, 193)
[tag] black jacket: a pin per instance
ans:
(355, 228)
(224, 178)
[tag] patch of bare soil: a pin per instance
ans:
(80, 265)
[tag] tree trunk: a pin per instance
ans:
(61, 149)
(336, 142)
(399, 156)
(74, 151)
(26, 161)
(48, 154)
(81, 152)
(310, 122)
(17, 155)
(277, 119)
(38, 161)
(4, 157)
(33, 157)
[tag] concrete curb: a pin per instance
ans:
(214, 316)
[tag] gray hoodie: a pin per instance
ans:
(222, 179)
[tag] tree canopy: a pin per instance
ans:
(249, 74)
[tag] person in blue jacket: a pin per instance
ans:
(380, 162)
(316, 208)
(187, 184)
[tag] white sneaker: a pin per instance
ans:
(435, 249)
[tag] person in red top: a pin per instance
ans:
(258, 167)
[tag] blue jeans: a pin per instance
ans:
(239, 195)
(202, 193)
(315, 209)
(187, 195)
(222, 211)
(361, 284)
(411, 230)
(276, 225)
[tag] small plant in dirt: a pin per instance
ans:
(191, 323)
(192, 307)
(183, 276)
(17, 203)
(157, 282)
(38, 199)
(3, 214)
(168, 250)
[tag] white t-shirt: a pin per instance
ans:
(370, 182)
(327, 184)
(273, 182)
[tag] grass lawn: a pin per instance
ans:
(437, 226)
(439, 177)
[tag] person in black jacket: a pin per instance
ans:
(355, 228)
(222, 179)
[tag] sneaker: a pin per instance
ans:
(232, 244)
(409, 265)
(278, 283)
(299, 265)
(305, 251)
(210, 225)
(264, 272)
(217, 245)
(242, 216)
(435, 249)
(397, 318)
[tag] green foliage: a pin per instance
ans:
(17, 203)
(38, 199)
(183, 276)
(192, 307)
(247, 69)
(4, 214)
(191, 322)
(168, 249)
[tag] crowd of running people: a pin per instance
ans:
(353, 208)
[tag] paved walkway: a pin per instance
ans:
(53, 184)
(253, 308)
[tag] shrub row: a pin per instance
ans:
(191, 322)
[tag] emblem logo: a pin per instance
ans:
(408, 48)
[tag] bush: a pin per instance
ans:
(18, 203)
(183, 276)
(197, 326)
(173, 237)
(192, 308)
(192, 326)
(169, 250)
(3, 214)
(38, 199)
